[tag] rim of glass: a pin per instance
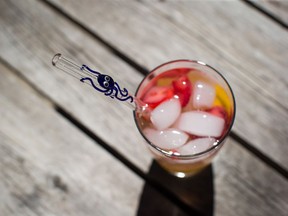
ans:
(170, 153)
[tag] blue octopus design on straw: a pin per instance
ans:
(110, 87)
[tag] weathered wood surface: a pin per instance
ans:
(248, 48)
(35, 37)
(240, 177)
(31, 34)
(277, 8)
(48, 167)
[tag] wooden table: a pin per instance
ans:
(66, 150)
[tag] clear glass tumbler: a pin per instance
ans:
(196, 131)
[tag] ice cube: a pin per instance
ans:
(200, 123)
(203, 95)
(165, 114)
(196, 146)
(168, 139)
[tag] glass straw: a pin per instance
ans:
(101, 82)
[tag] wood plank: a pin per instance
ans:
(277, 8)
(48, 167)
(241, 177)
(237, 184)
(36, 37)
(245, 31)
(41, 68)
(41, 188)
(31, 41)
(246, 63)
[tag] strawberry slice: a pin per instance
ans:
(218, 111)
(183, 89)
(158, 94)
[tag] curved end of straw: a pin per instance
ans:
(56, 58)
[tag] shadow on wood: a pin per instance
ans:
(197, 192)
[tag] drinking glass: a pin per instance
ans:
(173, 161)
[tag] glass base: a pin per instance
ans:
(184, 173)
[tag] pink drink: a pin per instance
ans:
(191, 110)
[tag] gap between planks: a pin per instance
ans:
(141, 69)
(266, 13)
(106, 44)
(268, 161)
(16, 71)
(150, 181)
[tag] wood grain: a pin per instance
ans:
(44, 170)
(31, 34)
(241, 179)
(48, 167)
(249, 49)
(38, 37)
